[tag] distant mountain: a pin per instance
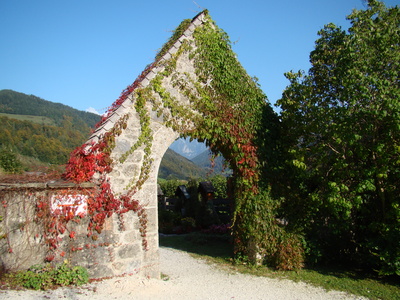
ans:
(203, 161)
(16, 103)
(175, 166)
(188, 149)
(48, 132)
(200, 155)
(40, 129)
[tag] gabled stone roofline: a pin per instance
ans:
(45, 185)
(120, 109)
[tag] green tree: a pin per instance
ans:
(220, 185)
(169, 187)
(9, 162)
(342, 132)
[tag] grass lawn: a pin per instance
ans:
(35, 119)
(218, 249)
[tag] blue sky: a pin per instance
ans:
(83, 53)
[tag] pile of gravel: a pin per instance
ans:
(186, 278)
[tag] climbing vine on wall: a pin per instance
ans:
(234, 108)
(226, 109)
(92, 160)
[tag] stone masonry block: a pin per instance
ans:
(131, 236)
(122, 110)
(151, 75)
(122, 146)
(152, 221)
(130, 222)
(145, 82)
(167, 56)
(198, 21)
(173, 50)
(188, 33)
(108, 125)
(177, 44)
(131, 170)
(114, 117)
(129, 251)
(192, 27)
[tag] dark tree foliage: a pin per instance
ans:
(342, 139)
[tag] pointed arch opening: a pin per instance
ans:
(195, 88)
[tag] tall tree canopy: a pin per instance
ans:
(342, 135)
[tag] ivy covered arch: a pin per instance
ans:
(195, 88)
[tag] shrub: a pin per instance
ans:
(167, 221)
(267, 237)
(188, 224)
(288, 255)
(9, 161)
(220, 185)
(169, 187)
(44, 277)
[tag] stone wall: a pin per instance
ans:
(113, 251)
(24, 235)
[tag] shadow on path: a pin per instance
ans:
(217, 246)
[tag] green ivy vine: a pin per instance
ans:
(227, 110)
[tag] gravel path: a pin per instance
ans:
(187, 279)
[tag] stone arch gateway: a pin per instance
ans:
(177, 95)
(196, 88)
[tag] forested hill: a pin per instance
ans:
(175, 166)
(12, 102)
(40, 129)
(47, 132)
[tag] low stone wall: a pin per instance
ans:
(28, 236)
